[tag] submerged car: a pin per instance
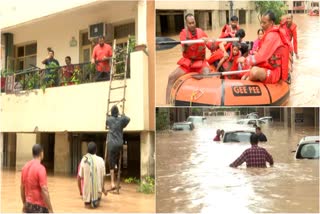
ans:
(252, 122)
(183, 126)
(196, 119)
(252, 115)
(267, 119)
(239, 136)
(308, 148)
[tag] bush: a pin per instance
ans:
(146, 186)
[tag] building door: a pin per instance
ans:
(242, 17)
(47, 141)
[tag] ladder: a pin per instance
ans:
(117, 60)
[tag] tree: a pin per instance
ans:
(278, 7)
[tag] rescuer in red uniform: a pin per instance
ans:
(270, 64)
(291, 31)
(194, 55)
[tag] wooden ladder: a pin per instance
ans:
(115, 74)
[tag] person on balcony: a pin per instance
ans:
(51, 76)
(67, 71)
(101, 56)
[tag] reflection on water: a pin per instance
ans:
(65, 196)
(193, 173)
(305, 90)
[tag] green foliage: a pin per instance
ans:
(146, 186)
(6, 72)
(50, 76)
(278, 7)
(31, 81)
(162, 119)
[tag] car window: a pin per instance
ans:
(310, 151)
(181, 127)
(252, 122)
(239, 137)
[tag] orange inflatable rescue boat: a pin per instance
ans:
(213, 91)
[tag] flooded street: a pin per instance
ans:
(193, 173)
(305, 90)
(65, 196)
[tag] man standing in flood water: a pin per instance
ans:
(255, 156)
(33, 189)
(291, 30)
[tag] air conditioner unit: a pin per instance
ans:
(101, 29)
(97, 30)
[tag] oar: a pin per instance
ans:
(219, 73)
(164, 43)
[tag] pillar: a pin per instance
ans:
(222, 20)
(158, 25)
(1, 149)
(141, 22)
(11, 150)
(215, 19)
(171, 24)
(25, 143)
(285, 117)
(147, 152)
(62, 159)
(292, 119)
(248, 18)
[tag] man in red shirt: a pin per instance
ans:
(194, 55)
(271, 62)
(33, 188)
(291, 30)
(101, 55)
(255, 156)
(230, 30)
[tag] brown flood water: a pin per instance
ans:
(305, 90)
(65, 196)
(193, 173)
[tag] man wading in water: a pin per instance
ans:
(115, 124)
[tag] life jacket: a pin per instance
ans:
(280, 58)
(218, 54)
(195, 51)
(288, 30)
(228, 31)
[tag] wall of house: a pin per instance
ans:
(78, 108)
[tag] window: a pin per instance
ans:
(26, 56)
(124, 30)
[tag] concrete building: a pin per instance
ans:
(65, 119)
(210, 15)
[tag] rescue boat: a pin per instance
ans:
(213, 91)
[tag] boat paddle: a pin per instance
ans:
(225, 73)
(164, 43)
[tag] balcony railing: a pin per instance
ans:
(36, 78)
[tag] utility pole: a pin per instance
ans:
(231, 9)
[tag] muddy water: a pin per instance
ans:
(305, 90)
(193, 173)
(65, 196)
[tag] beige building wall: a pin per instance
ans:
(61, 153)
(80, 107)
(24, 148)
(56, 31)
